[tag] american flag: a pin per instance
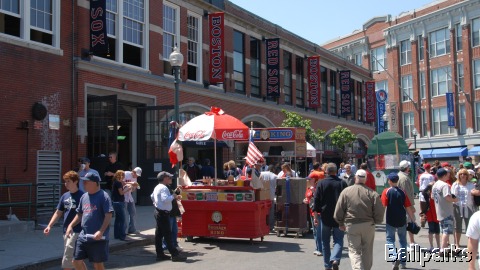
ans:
(253, 154)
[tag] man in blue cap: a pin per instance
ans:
(398, 205)
(84, 169)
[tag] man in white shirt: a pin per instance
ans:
(424, 180)
(131, 179)
(269, 179)
(473, 234)
(162, 200)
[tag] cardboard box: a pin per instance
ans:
(262, 194)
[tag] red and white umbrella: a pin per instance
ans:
(215, 124)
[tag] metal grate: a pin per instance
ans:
(49, 166)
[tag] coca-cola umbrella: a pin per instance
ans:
(215, 124)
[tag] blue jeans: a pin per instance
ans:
(317, 234)
(132, 212)
(174, 227)
(402, 239)
(336, 254)
(119, 225)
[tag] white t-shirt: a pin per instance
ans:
(444, 208)
(423, 181)
(473, 229)
(282, 174)
(270, 180)
(129, 179)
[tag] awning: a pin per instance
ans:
(444, 152)
(311, 151)
(475, 151)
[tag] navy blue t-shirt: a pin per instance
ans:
(395, 200)
(68, 205)
(116, 196)
(93, 208)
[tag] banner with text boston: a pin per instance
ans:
(313, 66)
(217, 47)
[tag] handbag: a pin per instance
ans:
(413, 227)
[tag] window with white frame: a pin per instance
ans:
(460, 77)
(194, 49)
(382, 85)
(439, 42)
(239, 61)
(287, 77)
(171, 35)
(255, 67)
(477, 116)
(378, 59)
(405, 52)
(424, 123)
(407, 88)
(358, 59)
(423, 91)
(458, 37)
(43, 15)
(440, 122)
(476, 73)
(421, 51)
(440, 81)
(408, 125)
(462, 119)
(475, 32)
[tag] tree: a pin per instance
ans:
(293, 119)
(341, 137)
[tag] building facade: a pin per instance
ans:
(420, 57)
(61, 102)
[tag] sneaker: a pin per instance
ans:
(179, 248)
(163, 257)
(395, 265)
(335, 265)
(179, 258)
(319, 254)
(316, 253)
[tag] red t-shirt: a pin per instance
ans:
(370, 181)
(432, 213)
(309, 196)
(317, 175)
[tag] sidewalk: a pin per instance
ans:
(34, 250)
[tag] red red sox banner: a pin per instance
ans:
(217, 47)
(273, 67)
(98, 27)
(370, 102)
(313, 67)
(345, 93)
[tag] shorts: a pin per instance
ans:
(446, 225)
(69, 248)
(95, 251)
(433, 227)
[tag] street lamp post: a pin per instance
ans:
(176, 61)
(415, 133)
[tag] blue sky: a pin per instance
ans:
(322, 20)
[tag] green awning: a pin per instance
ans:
(387, 143)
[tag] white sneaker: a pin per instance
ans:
(317, 253)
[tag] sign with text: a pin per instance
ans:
(382, 97)
(393, 116)
(98, 27)
(273, 67)
(313, 66)
(370, 102)
(217, 47)
(450, 109)
(345, 93)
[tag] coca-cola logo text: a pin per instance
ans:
(231, 135)
(195, 135)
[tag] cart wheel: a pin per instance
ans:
(261, 239)
(251, 241)
(278, 233)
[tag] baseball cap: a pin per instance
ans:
(404, 164)
(393, 176)
(163, 174)
(468, 165)
(441, 172)
(91, 177)
(427, 167)
(361, 173)
(138, 171)
(471, 172)
(85, 159)
(445, 164)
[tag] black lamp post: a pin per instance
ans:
(176, 61)
(415, 133)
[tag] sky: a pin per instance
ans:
(320, 21)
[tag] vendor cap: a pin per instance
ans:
(138, 171)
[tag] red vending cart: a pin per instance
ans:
(225, 211)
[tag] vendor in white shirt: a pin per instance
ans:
(287, 171)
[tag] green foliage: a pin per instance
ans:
(341, 137)
(293, 119)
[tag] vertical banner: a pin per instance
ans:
(450, 109)
(313, 67)
(273, 67)
(370, 102)
(381, 95)
(345, 93)
(98, 27)
(217, 47)
(393, 116)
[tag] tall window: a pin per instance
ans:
(171, 35)
(287, 77)
(439, 42)
(475, 32)
(405, 52)
(300, 93)
(333, 92)
(477, 116)
(378, 59)
(441, 81)
(194, 48)
(440, 122)
(462, 119)
(238, 61)
(476, 74)
(44, 17)
(460, 76)
(408, 125)
(424, 123)
(382, 85)
(421, 51)
(323, 90)
(357, 59)
(458, 36)
(423, 91)
(407, 88)
(133, 31)
(255, 67)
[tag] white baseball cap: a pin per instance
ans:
(138, 171)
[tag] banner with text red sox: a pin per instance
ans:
(217, 47)
(273, 67)
(98, 27)
(370, 102)
(313, 67)
(345, 93)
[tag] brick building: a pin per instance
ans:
(61, 102)
(418, 57)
